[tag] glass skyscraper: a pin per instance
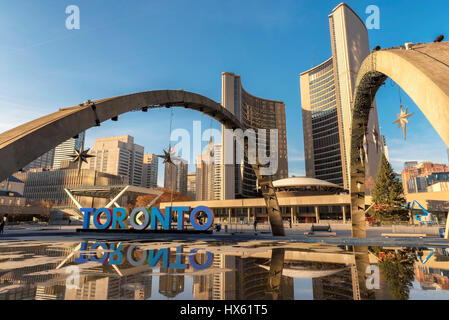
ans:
(327, 97)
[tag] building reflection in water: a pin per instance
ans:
(336, 273)
(245, 279)
(171, 280)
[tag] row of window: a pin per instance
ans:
(323, 133)
(326, 141)
(320, 93)
(325, 82)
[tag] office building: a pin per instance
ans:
(255, 113)
(44, 161)
(326, 98)
(150, 169)
(208, 173)
(118, 155)
(191, 184)
(410, 164)
(48, 185)
(175, 177)
(57, 156)
(67, 148)
(423, 175)
(171, 282)
(11, 192)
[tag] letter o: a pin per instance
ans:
(130, 256)
(97, 216)
(133, 218)
(210, 217)
(195, 265)
(93, 255)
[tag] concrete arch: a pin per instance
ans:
(21, 145)
(423, 73)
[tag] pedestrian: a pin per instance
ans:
(255, 224)
(290, 222)
(2, 225)
(5, 219)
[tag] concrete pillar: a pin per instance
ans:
(317, 214)
(343, 210)
(291, 214)
(446, 233)
(249, 213)
(229, 215)
(296, 214)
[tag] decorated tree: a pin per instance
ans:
(388, 194)
(398, 271)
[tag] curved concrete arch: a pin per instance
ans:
(21, 145)
(423, 73)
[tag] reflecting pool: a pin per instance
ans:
(254, 270)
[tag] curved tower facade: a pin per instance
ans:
(256, 113)
(321, 124)
(326, 97)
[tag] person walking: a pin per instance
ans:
(290, 222)
(255, 224)
(2, 225)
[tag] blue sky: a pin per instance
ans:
(130, 46)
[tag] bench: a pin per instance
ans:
(320, 234)
(321, 228)
(404, 235)
(321, 231)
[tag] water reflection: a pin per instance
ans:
(205, 271)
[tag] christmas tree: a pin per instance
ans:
(388, 194)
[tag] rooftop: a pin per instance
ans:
(303, 182)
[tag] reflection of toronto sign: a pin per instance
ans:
(117, 218)
(117, 253)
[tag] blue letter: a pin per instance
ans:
(179, 260)
(83, 254)
(195, 265)
(157, 215)
(180, 211)
(87, 212)
(154, 259)
(210, 218)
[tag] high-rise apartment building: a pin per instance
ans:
(55, 157)
(49, 185)
(150, 170)
(423, 175)
(208, 173)
(326, 98)
(44, 161)
(410, 164)
(239, 179)
(175, 177)
(64, 150)
(120, 156)
(191, 184)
